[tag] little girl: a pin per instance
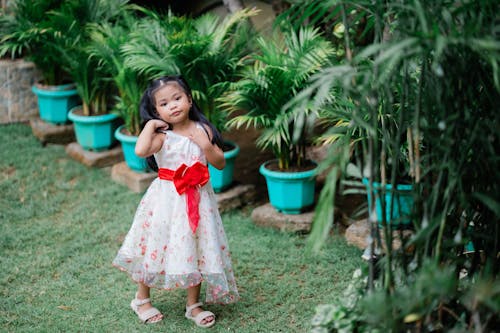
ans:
(177, 239)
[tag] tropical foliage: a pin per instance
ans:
(432, 70)
(32, 30)
(107, 41)
(92, 77)
(206, 50)
(281, 68)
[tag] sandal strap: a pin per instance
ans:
(200, 316)
(140, 302)
(203, 315)
(148, 314)
(192, 307)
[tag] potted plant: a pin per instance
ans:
(33, 31)
(107, 45)
(94, 124)
(208, 52)
(389, 191)
(281, 68)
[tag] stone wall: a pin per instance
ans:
(5, 4)
(17, 101)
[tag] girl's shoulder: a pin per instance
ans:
(206, 128)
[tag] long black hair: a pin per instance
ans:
(148, 111)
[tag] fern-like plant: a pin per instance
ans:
(282, 67)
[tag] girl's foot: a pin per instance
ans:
(199, 310)
(202, 318)
(145, 310)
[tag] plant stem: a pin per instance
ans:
(348, 51)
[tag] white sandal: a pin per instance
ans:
(200, 316)
(145, 315)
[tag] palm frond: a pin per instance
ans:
(33, 30)
(281, 69)
(107, 41)
(206, 24)
(148, 50)
(222, 33)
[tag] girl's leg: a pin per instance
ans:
(193, 295)
(143, 292)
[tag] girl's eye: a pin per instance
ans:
(178, 98)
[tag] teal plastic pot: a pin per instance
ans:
(403, 203)
(222, 179)
(54, 102)
(128, 142)
(94, 133)
(289, 192)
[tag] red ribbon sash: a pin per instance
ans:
(187, 180)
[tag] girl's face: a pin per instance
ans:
(172, 103)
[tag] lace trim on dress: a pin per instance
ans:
(219, 290)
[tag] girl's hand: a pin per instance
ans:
(151, 138)
(157, 125)
(200, 137)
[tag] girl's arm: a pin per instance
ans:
(213, 153)
(150, 141)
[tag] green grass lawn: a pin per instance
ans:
(62, 224)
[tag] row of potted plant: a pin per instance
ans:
(95, 67)
(111, 50)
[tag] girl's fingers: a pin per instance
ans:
(162, 129)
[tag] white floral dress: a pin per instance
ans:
(160, 249)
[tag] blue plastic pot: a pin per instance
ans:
(289, 192)
(95, 133)
(128, 142)
(403, 203)
(54, 102)
(222, 179)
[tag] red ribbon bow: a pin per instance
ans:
(186, 180)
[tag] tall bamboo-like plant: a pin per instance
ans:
(281, 68)
(346, 24)
(433, 66)
(207, 51)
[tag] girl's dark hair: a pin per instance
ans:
(148, 111)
